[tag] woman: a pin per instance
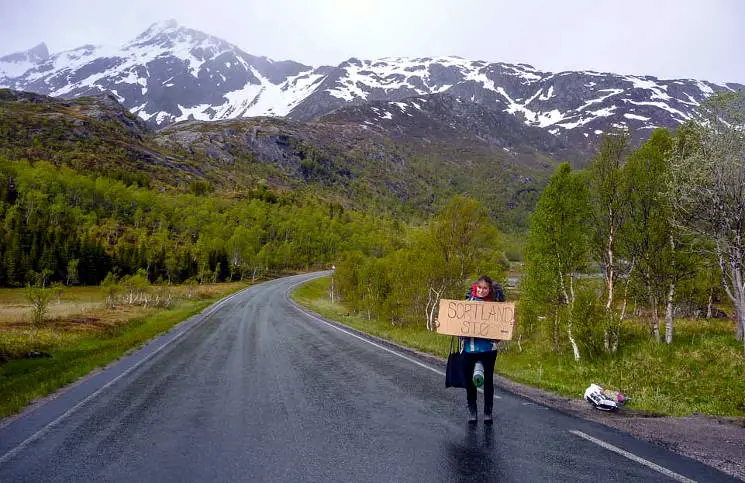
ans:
(481, 350)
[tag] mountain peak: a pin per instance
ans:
(158, 28)
(16, 64)
(38, 53)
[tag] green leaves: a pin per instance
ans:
(79, 227)
(404, 272)
(707, 188)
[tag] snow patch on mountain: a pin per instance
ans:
(15, 68)
(682, 116)
(635, 116)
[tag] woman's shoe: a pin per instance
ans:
(488, 419)
(472, 418)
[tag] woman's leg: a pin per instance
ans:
(488, 359)
(470, 388)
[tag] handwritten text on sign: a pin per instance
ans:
(488, 320)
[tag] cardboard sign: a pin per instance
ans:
(487, 320)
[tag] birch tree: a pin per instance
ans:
(460, 237)
(557, 248)
(662, 253)
(707, 188)
(608, 208)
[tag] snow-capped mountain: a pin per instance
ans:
(14, 65)
(443, 118)
(171, 73)
(578, 105)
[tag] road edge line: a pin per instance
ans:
(633, 457)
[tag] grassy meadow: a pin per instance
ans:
(79, 334)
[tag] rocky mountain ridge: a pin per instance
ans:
(171, 73)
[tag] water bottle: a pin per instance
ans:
(478, 374)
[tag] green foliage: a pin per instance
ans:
(589, 317)
(706, 182)
(111, 288)
(57, 289)
(648, 227)
(75, 227)
(608, 202)
(135, 287)
(404, 283)
(557, 253)
(407, 177)
(72, 271)
(616, 216)
(200, 188)
(38, 296)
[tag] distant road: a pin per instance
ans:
(259, 391)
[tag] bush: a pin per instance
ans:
(111, 288)
(39, 297)
(589, 323)
(136, 287)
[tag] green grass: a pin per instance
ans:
(75, 355)
(703, 371)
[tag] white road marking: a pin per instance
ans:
(633, 457)
(436, 371)
(70, 411)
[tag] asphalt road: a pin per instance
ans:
(257, 390)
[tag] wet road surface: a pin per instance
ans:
(257, 390)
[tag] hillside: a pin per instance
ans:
(411, 166)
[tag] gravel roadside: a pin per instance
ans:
(715, 441)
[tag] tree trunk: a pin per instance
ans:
(669, 303)
(569, 299)
(669, 314)
(708, 306)
(655, 318)
(606, 340)
(556, 330)
(575, 349)
(626, 293)
(635, 311)
(432, 308)
(609, 269)
(732, 283)
(616, 339)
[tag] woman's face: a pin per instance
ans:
(482, 289)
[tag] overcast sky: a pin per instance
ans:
(665, 38)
